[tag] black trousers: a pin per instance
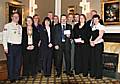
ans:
(39, 60)
(78, 59)
(86, 56)
(29, 62)
(81, 58)
(14, 60)
(96, 60)
(64, 50)
(54, 56)
(47, 61)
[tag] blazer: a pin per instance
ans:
(35, 38)
(44, 38)
(84, 33)
(89, 22)
(58, 34)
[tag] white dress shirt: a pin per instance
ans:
(98, 27)
(48, 32)
(12, 33)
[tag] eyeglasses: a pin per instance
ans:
(16, 16)
(36, 18)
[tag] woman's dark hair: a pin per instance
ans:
(30, 18)
(96, 16)
(63, 15)
(84, 17)
(48, 19)
(76, 14)
(37, 16)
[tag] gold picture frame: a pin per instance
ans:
(111, 12)
(71, 9)
(10, 8)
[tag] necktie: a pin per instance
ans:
(63, 37)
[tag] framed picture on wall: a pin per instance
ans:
(71, 9)
(111, 12)
(11, 8)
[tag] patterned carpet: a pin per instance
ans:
(77, 79)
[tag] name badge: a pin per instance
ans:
(14, 32)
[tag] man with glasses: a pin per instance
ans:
(12, 39)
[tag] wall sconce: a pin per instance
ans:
(85, 6)
(32, 7)
(35, 6)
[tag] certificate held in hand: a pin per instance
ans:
(78, 40)
(67, 32)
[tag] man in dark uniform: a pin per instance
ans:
(90, 22)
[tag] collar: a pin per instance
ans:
(14, 23)
(97, 25)
(76, 22)
(47, 28)
(63, 24)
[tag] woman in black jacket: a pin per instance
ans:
(81, 36)
(47, 44)
(30, 41)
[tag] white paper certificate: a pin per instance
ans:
(67, 32)
(78, 40)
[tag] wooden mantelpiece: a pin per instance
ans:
(112, 37)
(112, 45)
(3, 64)
(3, 70)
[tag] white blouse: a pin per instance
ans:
(30, 40)
(98, 27)
(48, 31)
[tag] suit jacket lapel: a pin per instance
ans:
(51, 32)
(67, 27)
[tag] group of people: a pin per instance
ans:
(73, 44)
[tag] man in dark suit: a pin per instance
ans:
(62, 43)
(51, 16)
(90, 22)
